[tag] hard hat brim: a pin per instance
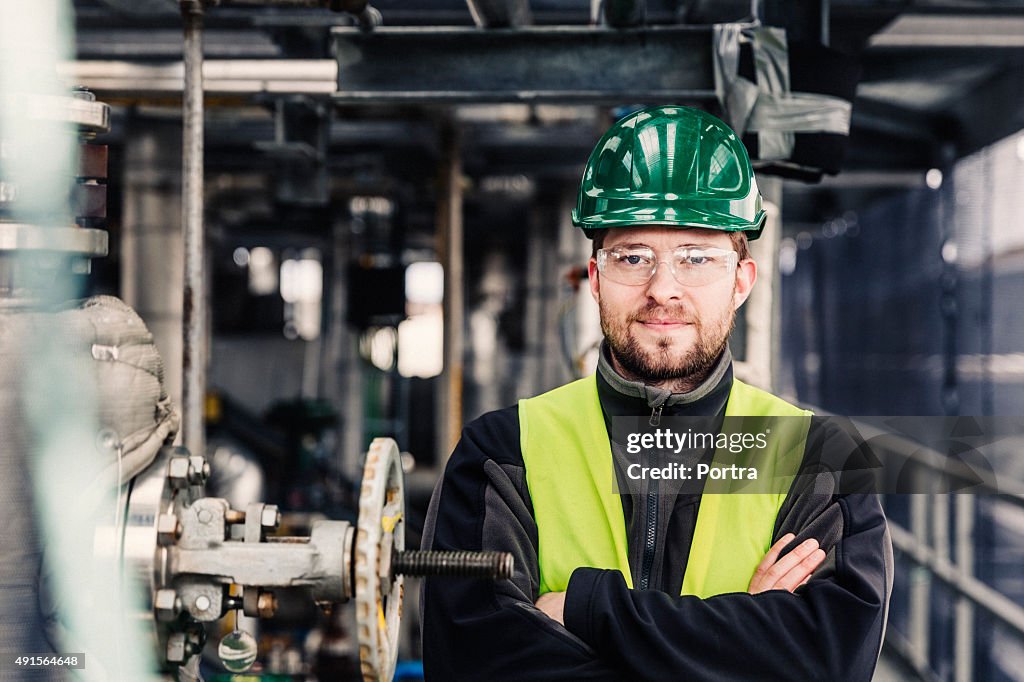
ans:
(668, 217)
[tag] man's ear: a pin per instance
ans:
(595, 285)
(746, 275)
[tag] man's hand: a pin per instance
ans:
(789, 572)
(553, 604)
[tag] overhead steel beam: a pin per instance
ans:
(952, 31)
(890, 119)
(543, 64)
(992, 110)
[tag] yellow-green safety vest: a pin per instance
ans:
(569, 472)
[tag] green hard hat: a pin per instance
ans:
(673, 166)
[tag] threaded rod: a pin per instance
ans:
(495, 565)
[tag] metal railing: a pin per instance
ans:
(944, 550)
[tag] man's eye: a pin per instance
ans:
(695, 259)
(632, 259)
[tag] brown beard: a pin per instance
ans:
(659, 367)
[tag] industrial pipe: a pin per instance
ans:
(193, 355)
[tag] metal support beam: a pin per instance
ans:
(543, 64)
(450, 250)
(194, 351)
(762, 310)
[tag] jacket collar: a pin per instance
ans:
(621, 396)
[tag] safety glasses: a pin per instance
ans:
(690, 266)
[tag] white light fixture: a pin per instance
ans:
(424, 283)
(262, 273)
(421, 345)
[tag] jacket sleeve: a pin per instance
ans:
(482, 629)
(830, 629)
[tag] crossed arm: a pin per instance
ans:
(773, 573)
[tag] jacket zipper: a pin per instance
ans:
(651, 517)
(649, 541)
(656, 415)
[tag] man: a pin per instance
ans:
(658, 582)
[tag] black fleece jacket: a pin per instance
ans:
(829, 629)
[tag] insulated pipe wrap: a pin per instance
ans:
(21, 623)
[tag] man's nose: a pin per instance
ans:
(663, 287)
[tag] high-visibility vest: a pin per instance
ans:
(580, 522)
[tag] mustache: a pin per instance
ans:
(659, 312)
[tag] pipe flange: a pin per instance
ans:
(380, 530)
(80, 110)
(73, 241)
(149, 507)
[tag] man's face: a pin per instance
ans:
(663, 330)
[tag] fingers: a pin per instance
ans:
(767, 562)
(789, 572)
(552, 605)
(801, 573)
(773, 554)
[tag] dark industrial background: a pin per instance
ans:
(898, 278)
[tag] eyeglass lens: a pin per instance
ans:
(690, 266)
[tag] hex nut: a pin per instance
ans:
(270, 517)
(266, 605)
(198, 470)
(178, 472)
(176, 648)
(167, 529)
(166, 604)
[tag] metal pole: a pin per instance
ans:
(918, 623)
(194, 355)
(762, 311)
(451, 253)
(963, 617)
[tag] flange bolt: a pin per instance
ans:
(494, 565)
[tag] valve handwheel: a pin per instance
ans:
(380, 531)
